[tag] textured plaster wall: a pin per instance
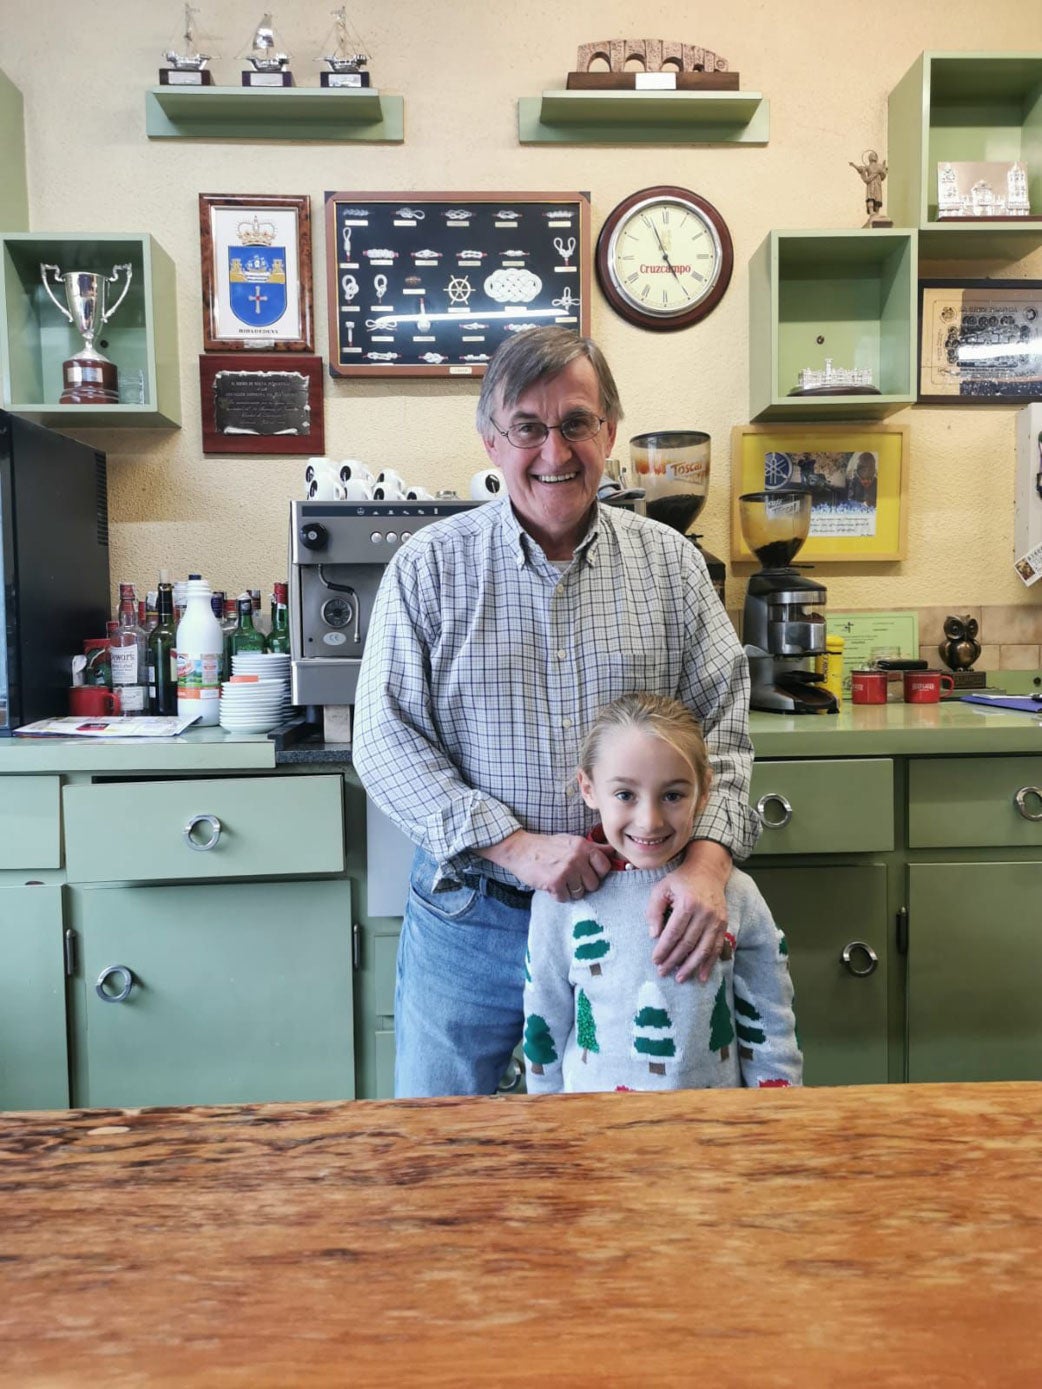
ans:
(827, 69)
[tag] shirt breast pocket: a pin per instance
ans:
(630, 671)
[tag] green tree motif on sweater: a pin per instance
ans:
(746, 1018)
(590, 944)
(539, 1043)
(721, 1029)
(585, 1026)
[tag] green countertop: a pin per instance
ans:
(950, 728)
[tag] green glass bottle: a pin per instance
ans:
(279, 639)
(162, 654)
(246, 637)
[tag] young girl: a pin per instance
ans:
(597, 1014)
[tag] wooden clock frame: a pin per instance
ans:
(623, 306)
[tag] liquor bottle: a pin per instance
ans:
(199, 643)
(162, 653)
(127, 656)
(228, 625)
(279, 639)
(260, 622)
(246, 637)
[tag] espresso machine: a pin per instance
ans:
(783, 624)
(338, 552)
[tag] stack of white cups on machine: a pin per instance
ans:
(349, 480)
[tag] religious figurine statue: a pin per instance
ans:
(873, 172)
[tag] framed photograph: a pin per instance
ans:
(857, 475)
(256, 260)
(262, 404)
(980, 342)
(430, 284)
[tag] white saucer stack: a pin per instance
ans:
(256, 699)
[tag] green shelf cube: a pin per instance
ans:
(857, 291)
(141, 337)
(964, 107)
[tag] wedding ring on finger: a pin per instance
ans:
(575, 891)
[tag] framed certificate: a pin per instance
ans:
(256, 264)
(980, 342)
(430, 284)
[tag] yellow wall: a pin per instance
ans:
(827, 69)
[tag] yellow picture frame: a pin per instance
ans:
(814, 456)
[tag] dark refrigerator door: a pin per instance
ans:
(61, 589)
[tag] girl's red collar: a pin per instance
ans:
(596, 836)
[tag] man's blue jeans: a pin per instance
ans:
(458, 1011)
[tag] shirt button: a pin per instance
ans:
(566, 723)
(561, 655)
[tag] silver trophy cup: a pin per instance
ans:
(88, 377)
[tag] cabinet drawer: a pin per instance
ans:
(137, 831)
(827, 807)
(30, 822)
(972, 802)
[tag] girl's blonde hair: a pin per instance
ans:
(665, 718)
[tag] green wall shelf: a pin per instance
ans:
(283, 113)
(652, 118)
(964, 106)
(855, 289)
(14, 196)
(141, 337)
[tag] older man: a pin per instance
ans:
(495, 637)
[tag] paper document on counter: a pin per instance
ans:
(123, 726)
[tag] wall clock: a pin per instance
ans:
(664, 258)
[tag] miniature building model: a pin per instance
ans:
(981, 200)
(655, 54)
(833, 378)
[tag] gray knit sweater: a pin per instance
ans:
(599, 1017)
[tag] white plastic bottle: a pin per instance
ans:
(200, 645)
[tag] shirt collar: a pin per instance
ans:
(525, 548)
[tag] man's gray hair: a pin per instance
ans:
(539, 354)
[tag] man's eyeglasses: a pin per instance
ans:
(530, 434)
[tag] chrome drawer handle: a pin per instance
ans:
(774, 798)
(871, 958)
(512, 1077)
(114, 972)
(203, 844)
(1020, 800)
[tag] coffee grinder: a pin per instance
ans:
(672, 466)
(783, 625)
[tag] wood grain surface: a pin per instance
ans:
(868, 1236)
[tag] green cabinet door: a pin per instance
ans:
(34, 1068)
(840, 1014)
(974, 971)
(238, 992)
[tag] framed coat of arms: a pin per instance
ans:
(256, 268)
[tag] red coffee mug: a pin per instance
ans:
(92, 701)
(924, 686)
(868, 686)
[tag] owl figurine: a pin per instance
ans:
(962, 647)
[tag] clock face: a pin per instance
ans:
(664, 258)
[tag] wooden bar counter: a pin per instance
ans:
(868, 1236)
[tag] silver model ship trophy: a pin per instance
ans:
(270, 67)
(187, 69)
(88, 377)
(347, 61)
